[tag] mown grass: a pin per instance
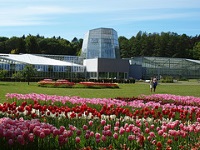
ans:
(125, 90)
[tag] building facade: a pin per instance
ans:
(105, 68)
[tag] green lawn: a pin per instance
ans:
(126, 90)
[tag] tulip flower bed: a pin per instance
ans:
(58, 83)
(39, 121)
(99, 85)
(66, 83)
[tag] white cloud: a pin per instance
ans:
(40, 12)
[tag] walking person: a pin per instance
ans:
(155, 83)
(151, 84)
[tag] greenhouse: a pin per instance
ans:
(162, 66)
(45, 67)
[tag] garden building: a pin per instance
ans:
(45, 67)
(101, 68)
(147, 67)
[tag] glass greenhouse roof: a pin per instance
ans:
(35, 60)
(195, 61)
(164, 62)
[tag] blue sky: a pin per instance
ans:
(73, 18)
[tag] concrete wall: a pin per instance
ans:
(113, 65)
(136, 71)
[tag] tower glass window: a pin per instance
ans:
(100, 43)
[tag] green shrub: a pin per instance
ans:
(167, 79)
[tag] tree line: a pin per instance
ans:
(164, 44)
(40, 45)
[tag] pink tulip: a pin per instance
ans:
(115, 135)
(78, 132)
(106, 128)
(117, 123)
(152, 134)
(164, 128)
(103, 138)
(91, 134)
(121, 131)
(109, 133)
(98, 140)
(61, 138)
(87, 136)
(71, 127)
(131, 126)
(165, 135)
(69, 133)
(31, 127)
(131, 137)
(116, 128)
(138, 123)
(65, 134)
(152, 126)
(31, 137)
(127, 129)
(55, 132)
(103, 122)
(149, 138)
(42, 135)
(172, 132)
(78, 140)
(160, 132)
(147, 130)
(126, 125)
(47, 131)
(104, 132)
(183, 134)
(36, 130)
(62, 129)
(25, 133)
(85, 127)
(157, 128)
(90, 122)
(97, 135)
(18, 131)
